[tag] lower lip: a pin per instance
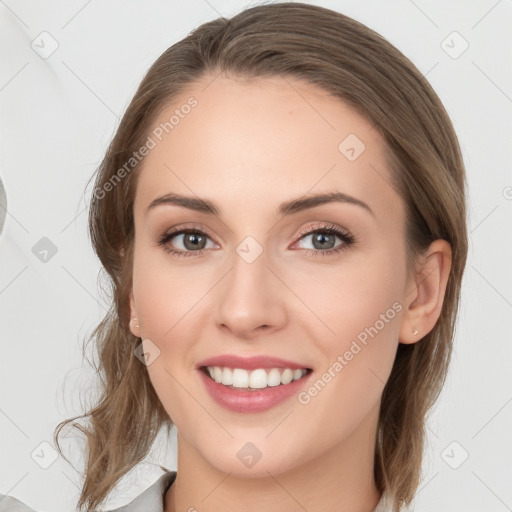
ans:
(251, 401)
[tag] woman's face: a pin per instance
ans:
(259, 277)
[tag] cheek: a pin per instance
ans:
(352, 296)
(360, 308)
(357, 362)
(165, 293)
(168, 300)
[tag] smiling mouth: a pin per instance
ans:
(251, 380)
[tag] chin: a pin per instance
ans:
(242, 458)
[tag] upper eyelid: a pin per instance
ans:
(322, 226)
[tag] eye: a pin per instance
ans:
(323, 239)
(192, 241)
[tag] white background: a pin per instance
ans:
(58, 115)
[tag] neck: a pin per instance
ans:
(340, 479)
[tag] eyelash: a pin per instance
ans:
(329, 229)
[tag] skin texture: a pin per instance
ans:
(248, 146)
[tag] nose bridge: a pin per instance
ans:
(249, 276)
(250, 296)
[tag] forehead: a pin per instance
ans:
(260, 141)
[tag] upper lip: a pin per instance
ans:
(250, 363)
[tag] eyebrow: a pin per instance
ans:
(285, 208)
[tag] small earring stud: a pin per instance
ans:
(135, 320)
(415, 332)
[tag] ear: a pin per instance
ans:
(134, 319)
(426, 289)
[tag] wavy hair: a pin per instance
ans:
(359, 67)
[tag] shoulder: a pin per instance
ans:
(10, 504)
(150, 499)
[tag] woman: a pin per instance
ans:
(282, 216)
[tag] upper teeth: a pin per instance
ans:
(256, 379)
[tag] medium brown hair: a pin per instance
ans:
(359, 67)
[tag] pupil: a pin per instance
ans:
(321, 238)
(195, 239)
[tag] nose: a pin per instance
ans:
(251, 299)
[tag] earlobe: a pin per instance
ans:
(426, 297)
(134, 321)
